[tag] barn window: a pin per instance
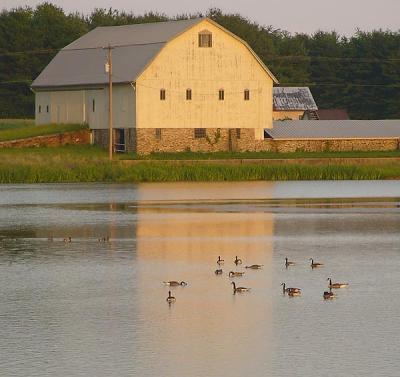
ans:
(205, 39)
(188, 94)
(247, 95)
(93, 105)
(40, 109)
(221, 94)
(199, 133)
(237, 133)
(158, 133)
(47, 108)
(162, 94)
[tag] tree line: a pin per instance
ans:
(360, 73)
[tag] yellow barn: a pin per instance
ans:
(178, 85)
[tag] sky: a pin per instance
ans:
(305, 16)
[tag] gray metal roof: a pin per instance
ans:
(82, 61)
(334, 129)
(293, 98)
(136, 34)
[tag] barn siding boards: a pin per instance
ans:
(227, 65)
(124, 107)
(88, 106)
(63, 107)
(42, 100)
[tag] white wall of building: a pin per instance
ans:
(87, 106)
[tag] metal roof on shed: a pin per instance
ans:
(293, 98)
(334, 129)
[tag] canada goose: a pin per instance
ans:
(237, 261)
(235, 274)
(288, 263)
(288, 290)
(219, 260)
(175, 283)
(329, 295)
(336, 285)
(255, 266)
(294, 293)
(170, 299)
(314, 265)
(104, 239)
(239, 289)
(69, 239)
(218, 272)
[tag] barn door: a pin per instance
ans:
(119, 141)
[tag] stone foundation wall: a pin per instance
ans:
(148, 140)
(183, 139)
(79, 137)
(334, 145)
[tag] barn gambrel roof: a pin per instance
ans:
(81, 63)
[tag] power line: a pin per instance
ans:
(333, 58)
(344, 84)
(28, 82)
(269, 57)
(310, 84)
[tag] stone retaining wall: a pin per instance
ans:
(78, 137)
(333, 145)
(216, 140)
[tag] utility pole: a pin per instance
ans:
(110, 103)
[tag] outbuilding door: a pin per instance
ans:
(119, 141)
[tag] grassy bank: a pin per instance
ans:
(90, 164)
(22, 129)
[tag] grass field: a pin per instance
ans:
(25, 128)
(90, 164)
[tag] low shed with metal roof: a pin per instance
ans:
(334, 129)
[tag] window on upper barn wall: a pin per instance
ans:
(205, 39)
(47, 108)
(221, 94)
(237, 133)
(188, 94)
(162, 94)
(247, 95)
(199, 133)
(40, 109)
(93, 105)
(158, 133)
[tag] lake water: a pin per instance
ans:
(90, 308)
